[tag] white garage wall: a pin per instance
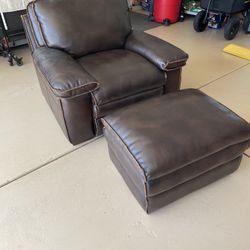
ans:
(13, 5)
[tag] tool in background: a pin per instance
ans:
(226, 12)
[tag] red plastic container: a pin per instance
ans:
(167, 10)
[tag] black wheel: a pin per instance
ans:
(231, 28)
(166, 22)
(182, 18)
(19, 62)
(10, 60)
(151, 18)
(200, 21)
(11, 63)
(246, 24)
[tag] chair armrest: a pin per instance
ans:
(66, 77)
(164, 55)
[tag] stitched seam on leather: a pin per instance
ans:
(60, 101)
(173, 69)
(109, 127)
(31, 25)
(74, 96)
(66, 126)
(42, 75)
(149, 94)
(131, 95)
(119, 139)
(203, 157)
(198, 159)
(130, 23)
(91, 92)
(134, 95)
(79, 87)
(180, 184)
(196, 176)
(39, 24)
(32, 30)
(94, 113)
(117, 151)
(53, 99)
(65, 92)
(96, 127)
(132, 157)
(27, 27)
(27, 36)
(169, 62)
(128, 176)
(85, 84)
(95, 121)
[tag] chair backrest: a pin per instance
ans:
(80, 27)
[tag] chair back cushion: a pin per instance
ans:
(80, 27)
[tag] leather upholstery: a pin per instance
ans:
(83, 67)
(35, 27)
(73, 114)
(193, 136)
(170, 180)
(164, 55)
(29, 33)
(100, 111)
(66, 77)
(167, 141)
(91, 25)
(105, 109)
(173, 80)
(150, 204)
(121, 73)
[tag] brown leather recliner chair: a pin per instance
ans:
(90, 62)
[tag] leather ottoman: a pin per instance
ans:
(169, 146)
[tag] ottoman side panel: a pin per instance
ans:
(195, 169)
(127, 165)
(178, 192)
(169, 146)
(140, 196)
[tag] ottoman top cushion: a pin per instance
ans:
(166, 133)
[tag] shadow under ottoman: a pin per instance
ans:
(169, 146)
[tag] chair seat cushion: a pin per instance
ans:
(121, 74)
(163, 143)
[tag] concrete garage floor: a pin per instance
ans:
(54, 196)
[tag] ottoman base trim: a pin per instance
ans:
(150, 204)
(192, 185)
